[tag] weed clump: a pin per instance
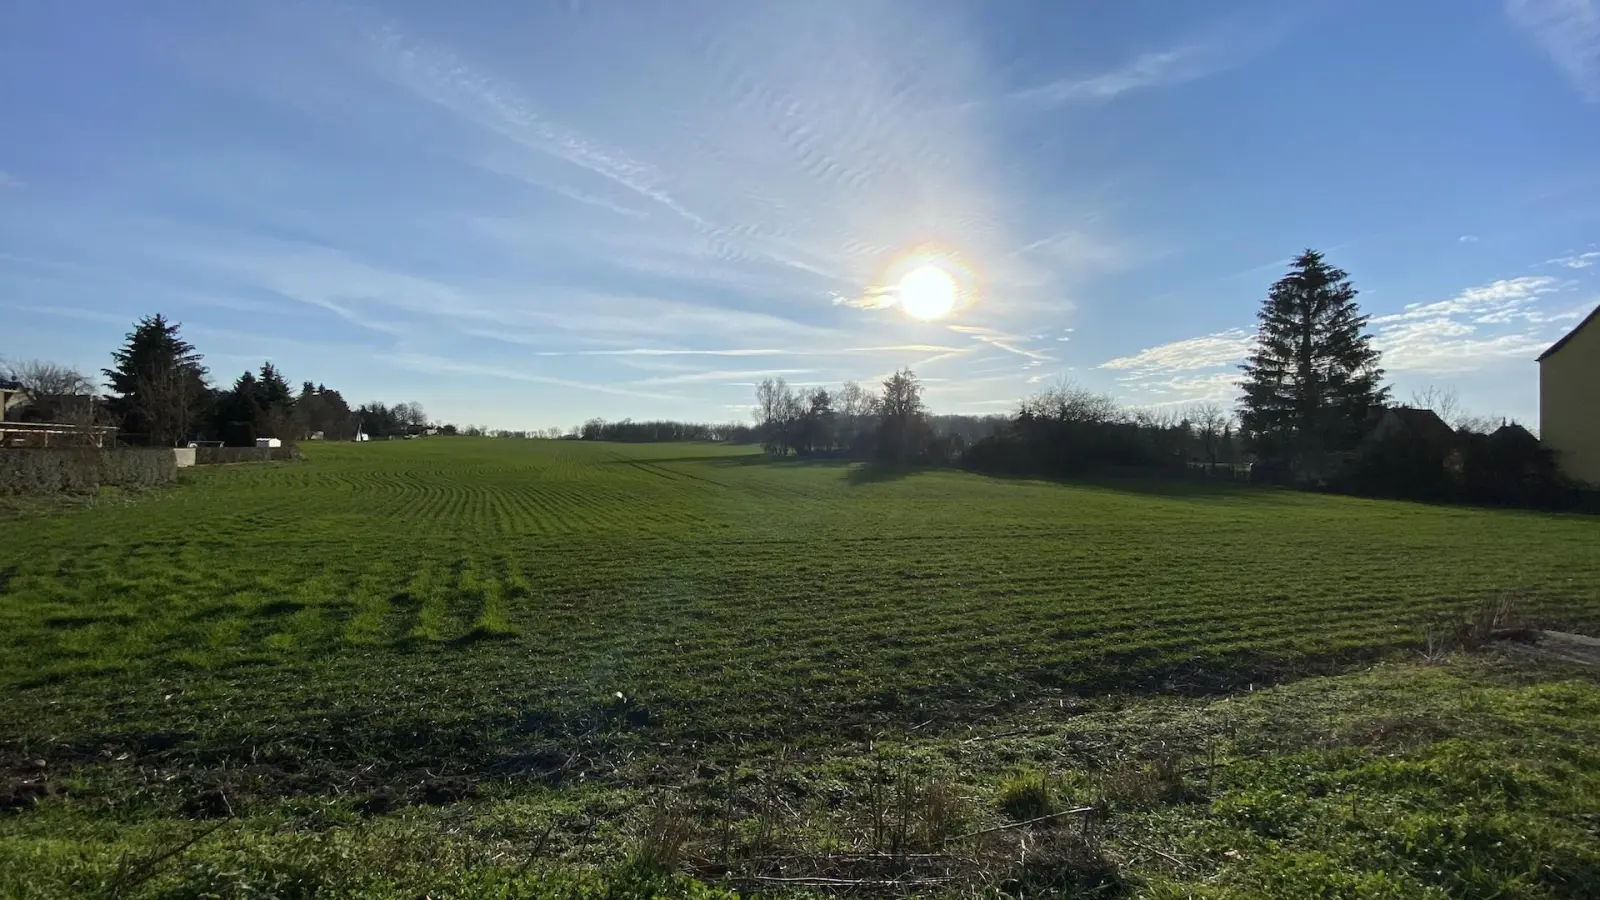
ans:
(663, 835)
(1028, 795)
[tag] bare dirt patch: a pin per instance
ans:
(1572, 648)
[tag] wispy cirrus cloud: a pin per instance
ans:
(735, 376)
(437, 365)
(1146, 71)
(1577, 260)
(8, 180)
(1506, 319)
(1569, 33)
(1225, 44)
(1221, 388)
(759, 351)
(440, 76)
(1498, 302)
(1447, 346)
(1201, 369)
(1204, 352)
(1010, 343)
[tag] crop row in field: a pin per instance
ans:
(721, 584)
(445, 622)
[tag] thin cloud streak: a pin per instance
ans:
(1221, 48)
(440, 366)
(759, 351)
(1204, 352)
(1148, 70)
(1568, 31)
(721, 375)
(438, 76)
(1577, 261)
(1001, 341)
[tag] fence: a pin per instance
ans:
(47, 435)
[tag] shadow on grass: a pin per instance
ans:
(333, 745)
(1158, 486)
(860, 472)
(277, 609)
(482, 634)
(856, 471)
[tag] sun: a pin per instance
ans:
(927, 292)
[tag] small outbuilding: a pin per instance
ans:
(11, 394)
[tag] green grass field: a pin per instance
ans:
(513, 668)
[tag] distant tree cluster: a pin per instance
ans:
(629, 431)
(1068, 430)
(160, 393)
(891, 424)
(379, 420)
(256, 407)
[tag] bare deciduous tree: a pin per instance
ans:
(777, 407)
(39, 377)
(1446, 404)
(59, 393)
(1067, 402)
(1210, 424)
(850, 401)
(1443, 401)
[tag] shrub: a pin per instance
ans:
(130, 467)
(82, 470)
(208, 456)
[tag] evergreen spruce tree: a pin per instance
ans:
(275, 391)
(158, 381)
(239, 412)
(1313, 377)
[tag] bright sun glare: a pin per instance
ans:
(927, 292)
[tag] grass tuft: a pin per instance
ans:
(1028, 795)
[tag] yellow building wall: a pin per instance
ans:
(1569, 404)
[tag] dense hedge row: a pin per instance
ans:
(207, 456)
(82, 470)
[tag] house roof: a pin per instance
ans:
(1512, 431)
(1424, 423)
(1592, 316)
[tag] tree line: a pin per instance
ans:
(1312, 393)
(631, 432)
(890, 423)
(161, 393)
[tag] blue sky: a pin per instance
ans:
(526, 214)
